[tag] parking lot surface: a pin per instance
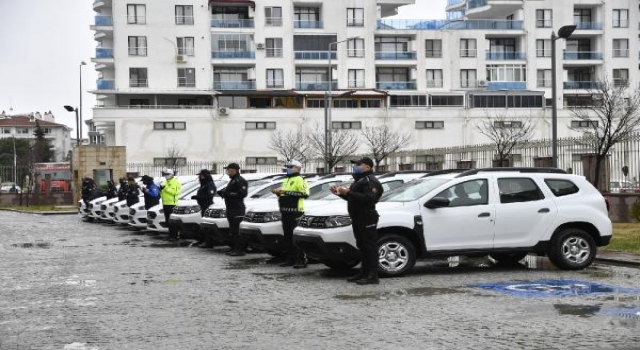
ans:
(67, 284)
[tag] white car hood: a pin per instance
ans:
(187, 203)
(327, 208)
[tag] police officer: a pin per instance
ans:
(122, 191)
(234, 195)
(291, 198)
(204, 196)
(362, 197)
(169, 192)
(151, 192)
(133, 192)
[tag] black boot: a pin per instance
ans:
(360, 275)
(301, 263)
(370, 278)
(276, 260)
(237, 252)
(288, 263)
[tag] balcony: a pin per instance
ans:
(391, 55)
(472, 4)
(308, 24)
(451, 4)
(104, 52)
(505, 56)
(138, 83)
(506, 85)
(234, 85)
(315, 85)
(580, 85)
(232, 23)
(589, 26)
(103, 21)
(396, 85)
(314, 55)
(233, 54)
(106, 84)
(443, 24)
(582, 55)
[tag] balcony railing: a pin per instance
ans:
(232, 23)
(582, 55)
(471, 4)
(104, 20)
(273, 21)
(314, 55)
(435, 83)
(234, 85)
(233, 54)
(155, 107)
(308, 24)
(104, 52)
(315, 85)
(580, 85)
(392, 55)
(396, 85)
(105, 84)
(443, 24)
(506, 85)
(588, 25)
(136, 83)
(451, 3)
(505, 56)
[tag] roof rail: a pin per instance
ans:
(510, 170)
(445, 172)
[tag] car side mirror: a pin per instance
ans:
(437, 202)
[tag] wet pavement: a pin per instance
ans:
(71, 285)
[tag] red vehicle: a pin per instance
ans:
(57, 186)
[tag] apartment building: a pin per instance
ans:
(23, 127)
(215, 79)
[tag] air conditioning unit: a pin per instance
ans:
(482, 83)
(223, 111)
(181, 59)
(260, 46)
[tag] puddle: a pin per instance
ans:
(554, 288)
(81, 283)
(244, 264)
(401, 293)
(37, 244)
(631, 314)
(181, 244)
(281, 277)
(584, 311)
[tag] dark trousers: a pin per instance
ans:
(289, 223)
(168, 209)
(366, 234)
(234, 231)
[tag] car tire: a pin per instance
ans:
(572, 249)
(275, 253)
(340, 265)
(396, 256)
(508, 258)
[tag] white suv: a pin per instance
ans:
(504, 213)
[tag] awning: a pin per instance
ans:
(234, 2)
(348, 93)
(260, 93)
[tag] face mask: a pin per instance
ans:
(167, 177)
(357, 170)
(290, 172)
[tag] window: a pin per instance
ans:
(507, 72)
(169, 162)
(370, 103)
(561, 188)
(232, 101)
(136, 14)
(544, 18)
(232, 45)
(446, 100)
(260, 126)
(232, 78)
(517, 190)
(137, 46)
(620, 77)
(186, 77)
(429, 125)
(347, 125)
(184, 14)
(393, 44)
(355, 17)
(345, 103)
(468, 48)
(6, 130)
(468, 78)
(507, 124)
(584, 123)
(275, 78)
(185, 46)
(544, 78)
(467, 194)
(543, 48)
(274, 47)
(313, 103)
(388, 74)
(356, 78)
(169, 126)
(355, 47)
(273, 16)
(621, 18)
(620, 47)
(262, 160)
(306, 17)
(308, 78)
(408, 101)
(46, 130)
(582, 15)
(434, 78)
(138, 77)
(22, 130)
(433, 48)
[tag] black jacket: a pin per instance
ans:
(112, 192)
(363, 195)
(133, 195)
(205, 194)
(122, 191)
(234, 195)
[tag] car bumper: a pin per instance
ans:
(268, 236)
(216, 232)
(320, 246)
(604, 241)
(139, 220)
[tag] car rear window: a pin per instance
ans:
(518, 190)
(562, 188)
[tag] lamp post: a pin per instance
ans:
(564, 33)
(71, 109)
(82, 63)
(327, 107)
(15, 162)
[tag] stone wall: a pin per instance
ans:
(90, 161)
(621, 206)
(53, 199)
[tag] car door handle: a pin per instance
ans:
(544, 211)
(484, 215)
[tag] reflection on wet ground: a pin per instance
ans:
(401, 293)
(36, 244)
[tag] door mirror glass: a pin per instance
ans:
(437, 202)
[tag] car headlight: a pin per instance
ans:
(216, 213)
(115, 210)
(192, 210)
(337, 221)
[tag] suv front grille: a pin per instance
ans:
(179, 210)
(313, 221)
(214, 213)
(254, 217)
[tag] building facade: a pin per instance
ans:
(23, 127)
(213, 80)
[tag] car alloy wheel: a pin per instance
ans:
(396, 255)
(576, 250)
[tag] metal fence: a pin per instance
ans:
(28, 178)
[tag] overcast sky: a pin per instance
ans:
(44, 41)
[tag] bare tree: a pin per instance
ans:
(506, 133)
(174, 156)
(610, 119)
(343, 144)
(291, 145)
(382, 141)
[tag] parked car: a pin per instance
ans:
(498, 212)
(624, 187)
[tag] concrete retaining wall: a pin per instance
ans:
(621, 206)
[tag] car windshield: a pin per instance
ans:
(413, 190)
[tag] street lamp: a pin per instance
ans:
(564, 33)
(71, 109)
(15, 162)
(82, 63)
(327, 107)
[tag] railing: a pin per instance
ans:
(433, 53)
(275, 84)
(544, 23)
(355, 84)
(273, 21)
(472, 4)
(355, 22)
(155, 107)
(505, 56)
(620, 53)
(274, 52)
(184, 51)
(443, 24)
(435, 83)
(232, 23)
(588, 25)
(138, 51)
(105, 84)
(396, 85)
(621, 82)
(315, 85)
(392, 55)
(184, 20)
(186, 83)
(580, 85)
(451, 3)
(506, 85)
(468, 53)
(308, 24)
(233, 54)
(234, 85)
(314, 55)
(138, 83)
(544, 83)
(104, 52)
(468, 84)
(582, 55)
(136, 19)
(103, 21)
(620, 23)
(543, 53)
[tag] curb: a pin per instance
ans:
(614, 261)
(43, 213)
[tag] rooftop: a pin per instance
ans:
(23, 120)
